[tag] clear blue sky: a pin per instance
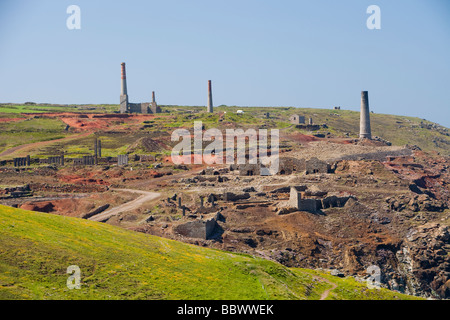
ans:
(257, 53)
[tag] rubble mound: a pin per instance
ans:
(415, 203)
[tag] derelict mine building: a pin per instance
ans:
(127, 107)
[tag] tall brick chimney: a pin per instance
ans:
(365, 130)
(123, 91)
(124, 80)
(210, 103)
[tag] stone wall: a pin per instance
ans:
(201, 229)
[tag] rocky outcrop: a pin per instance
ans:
(424, 261)
(415, 203)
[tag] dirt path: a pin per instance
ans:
(40, 144)
(131, 205)
(326, 293)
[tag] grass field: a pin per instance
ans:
(26, 131)
(37, 248)
(38, 108)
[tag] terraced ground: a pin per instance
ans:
(37, 248)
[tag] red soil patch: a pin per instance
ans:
(44, 206)
(67, 207)
(95, 121)
(11, 119)
(303, 138)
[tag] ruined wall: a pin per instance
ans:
(313, 201)
(315, 165)
(288, 165)
(201, 229)
(297, 119)
(249, 169)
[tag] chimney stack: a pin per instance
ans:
(124, 80)
(123, 91)
(365, 131)
(153, 96)
(210, 102)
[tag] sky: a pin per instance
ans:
(256, 52)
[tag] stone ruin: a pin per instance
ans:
(303, 199)
(22, 162)
(16, 192)
(85, 161)
(59, 160)
(288, 166)
(202, 229)
(122, 159)
(128, 107)
(297, 119)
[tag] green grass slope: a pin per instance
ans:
(37, 248)
(26, 131)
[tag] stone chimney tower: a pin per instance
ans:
(210, 102)
(365, 131)
(124, 80)
(123, 91)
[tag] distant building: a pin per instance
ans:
(127, 107)
(297, 119)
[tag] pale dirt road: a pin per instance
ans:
(134, 204)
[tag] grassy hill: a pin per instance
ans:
(37, 248)
(399, 130)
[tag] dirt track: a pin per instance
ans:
(134, 204)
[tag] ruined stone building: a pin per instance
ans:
(303, 199)
(297, 119)
(128, 107)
